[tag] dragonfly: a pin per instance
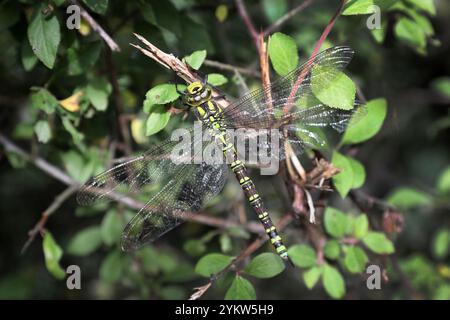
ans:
(289, 105)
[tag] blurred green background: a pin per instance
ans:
(407, 172)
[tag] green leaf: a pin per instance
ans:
(77, 167)
(378, 243)
(111, 267)
(408, 198)
(43, 132)
(265, 265)
(361, 226)
(333, 88)
(442, 85)
(240, 289)
(216, 79)
(98, 6)
(425, 5)
(44, 36)
(85, 241)
(27, 56)
(355, 259)
(354, 7)
(53, 254)
(379, 34)
(302, 255)
(225, 243)
(335, 222)
(111, 227)
(157, 120)
(331, 249)
(160, 94)
(221, 12)
(410, 33)
(283, 53)
(80, 60)
(274, 9)
(97, 92)
(441, 243)
(44, 100)
(443, 184)
(212, 263)
(343, 181)
(359, 173)
(368, 126)
(311, 276)
(194, 248)
(333, 282)
(195, 59)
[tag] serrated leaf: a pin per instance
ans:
(195, 59)
(160, 94)
(331, 249)
(333, 88)
(302, 255)
(443, 184)
(157, 120)
(212, 263)
(43, 132)
(360, 226)
(85, 242)
(343, 181)
(333, 282)
(408, 198)
(366, 127)
(265, 265)
(311, 276)
(44, 36)
(217, 79)
(111, 227)
(283, 53)
(240, 289)
(111, 267)
(44, 100)
(378, 243)
(52, 254)
(355, 259)
(335, 222)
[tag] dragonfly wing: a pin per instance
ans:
(135, 174)
(185, 192)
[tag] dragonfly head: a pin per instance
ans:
(197, 93)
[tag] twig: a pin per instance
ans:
(242, 10)
(96, 27)
(39, 227)
(58, 174)
(229, 67)
(277, 24)
(118, 102)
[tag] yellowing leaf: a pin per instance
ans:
(138, 131)
(221, 12)
(72, 103)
